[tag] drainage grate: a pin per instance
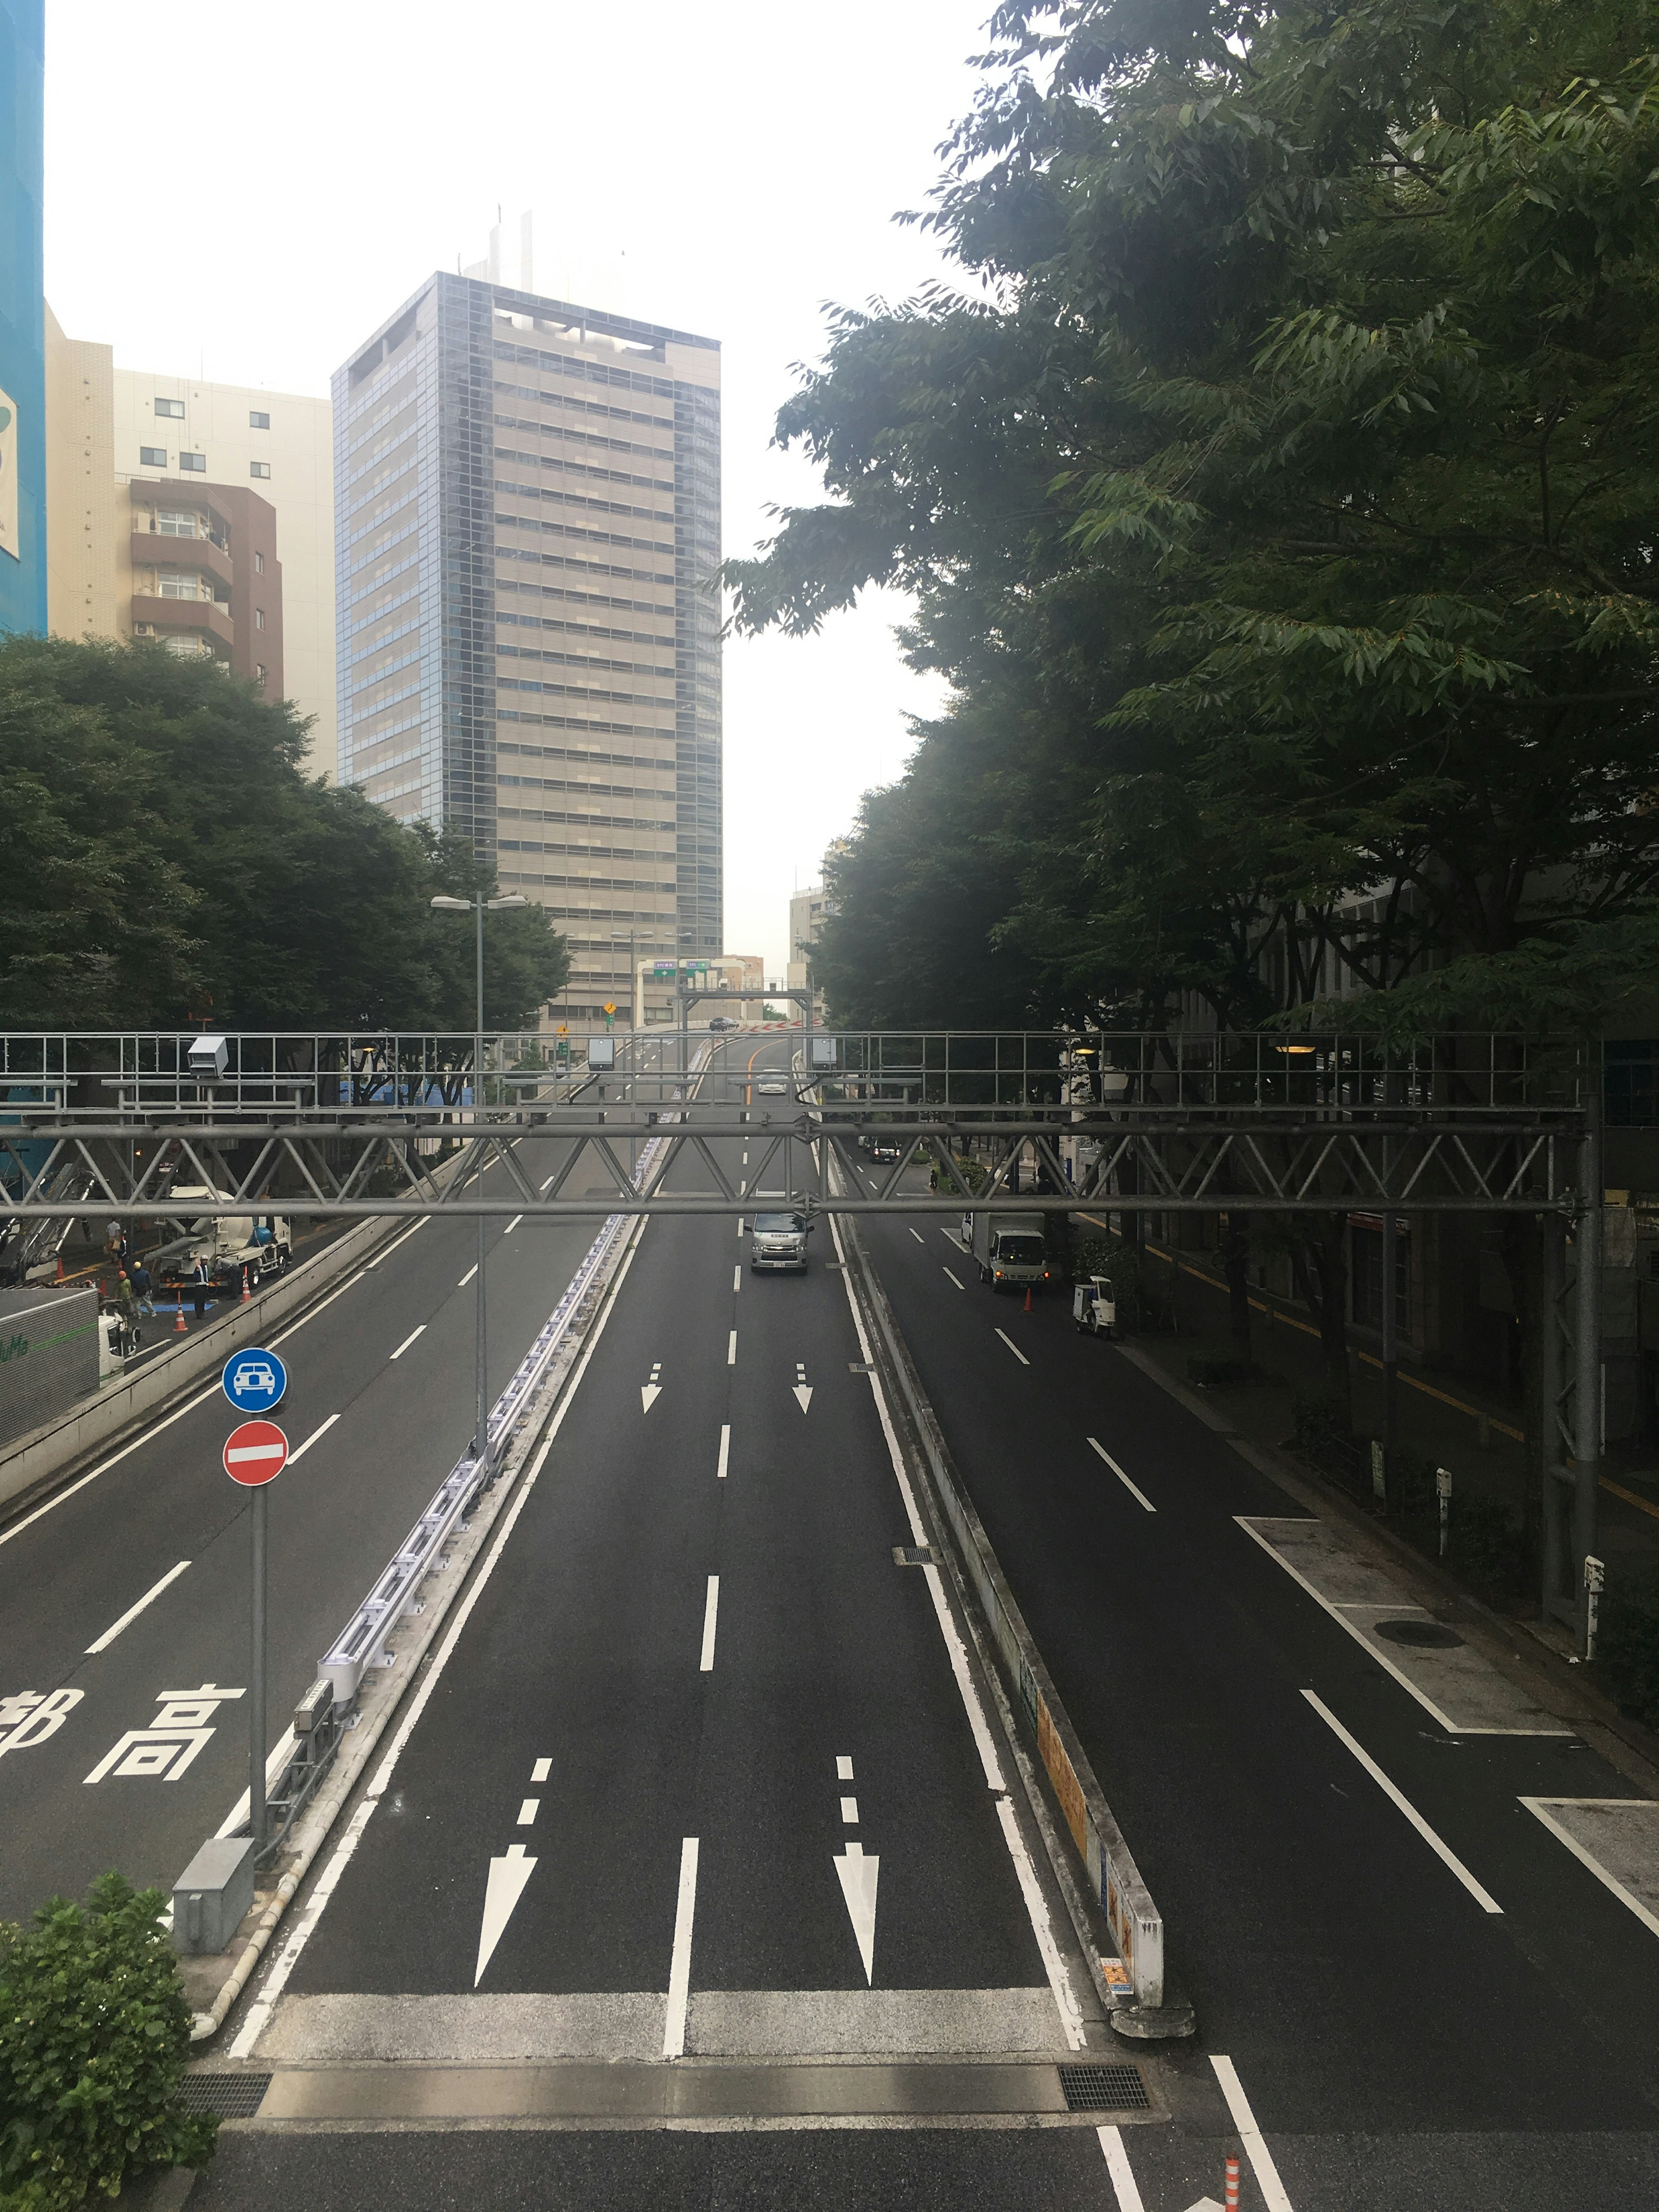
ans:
(859, 1367)
(232, 2096)
(1104, 2089)
(1422, 1635)
(914, 1555)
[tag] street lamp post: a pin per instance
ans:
(478, 905)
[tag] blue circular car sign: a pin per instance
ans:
(254, 1380)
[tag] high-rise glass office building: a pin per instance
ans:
(23, 320)
(527, 528)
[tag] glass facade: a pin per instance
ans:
(528, 529)
(23, 320)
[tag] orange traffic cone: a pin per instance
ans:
(1028, 1297)
(179, 1328)
(246, 1293)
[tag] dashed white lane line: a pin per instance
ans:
(133, 1611)
(726, 1448)
(541, 1770)
(679, 1966)
(1014, 1348)
(731, 1349)
(548, 1185)
(950, 1278)
(322, 1430)
(711, 1608)
(1256, 2148)
(917, 1234)
(737, 1277)
(1118, 2167)
(1140, 1496)
(844, 1766)
(1483, 1897)
(849, 1812)
(528, 1811)
(408, 1339)
(467, 1278)
(513, 1225)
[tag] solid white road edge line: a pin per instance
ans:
(1483, 1897)
(1536, 1806)
(1060, 1982)
(289, 1956)
(1399, 1674)
(1122, 1478)
(300, 1450)
(133, 1611)
(408, 1339)
(1117, 2166)
(1015, 1349)
(1256, 2148)
(679, 1967)
(726, 1448)
(711, 1606)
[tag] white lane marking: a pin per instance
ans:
(679, 1966)
(1483, 1897)
(1139, 1494)
(1118, 2167)
(858, 1877)
(843, 1767)
(849, 1812)
(649, 1393)
(1014, 1348)
(951, 1278)
(133, 1611)
(743, 1189)
(548, 1185)
(1537, 1805)
(711, 1607)
(731, 1349)
(737, 1276)
(917, 1234)
(287, 1958)
(322, 1430)
(408, 1339)
(395, 1243)
(1256, 2148)
(802, 1394)
(507, 1875)
(513, 1225)
(528, 1811)
(541, 1770)
(1371, 1649)
(467, 1278)
(1065, 2003)
(726, 1448)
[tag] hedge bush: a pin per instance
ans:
(94, 2032)
(1627, 1649)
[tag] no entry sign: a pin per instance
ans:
(255, 1453)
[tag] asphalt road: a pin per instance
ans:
(1402, 2045)
(69, 1574)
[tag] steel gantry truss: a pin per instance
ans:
(306, 1125)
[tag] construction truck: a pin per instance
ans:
(229, 1245)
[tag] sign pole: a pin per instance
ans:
(256, 1710)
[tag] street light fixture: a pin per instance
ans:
(480, 907)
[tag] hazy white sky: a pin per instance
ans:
(242, 191)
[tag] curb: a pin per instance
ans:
(313, 1829)
(1023, 1687)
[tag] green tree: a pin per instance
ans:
(166, 857)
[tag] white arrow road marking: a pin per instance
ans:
(408, 1339)
(726, 1448)
(859, 1876)
(1117, 2166)
(679, 1964)
(133, 1611)
(710, 1614)
(802, 1394)
(649, 1393)
(1095, 1444)
(507, 1876)
(1256, 2148)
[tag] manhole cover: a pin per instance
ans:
(232, 2096)
(1104, 2089)
(1424, 1635)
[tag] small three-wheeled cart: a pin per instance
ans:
(1094, 1307)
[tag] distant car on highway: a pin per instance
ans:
(722, 1022)
(778, 1240)
(772, 1087)
(882, 1149)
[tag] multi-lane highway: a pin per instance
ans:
(697, 1869)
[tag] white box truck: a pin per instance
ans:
(1010, 1251)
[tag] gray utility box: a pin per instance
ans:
(212, 1897)
(48, 1355)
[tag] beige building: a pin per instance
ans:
(526, 539)
(808, 909)
(202, 513)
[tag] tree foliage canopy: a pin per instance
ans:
(1281, 509)
(163, 858)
